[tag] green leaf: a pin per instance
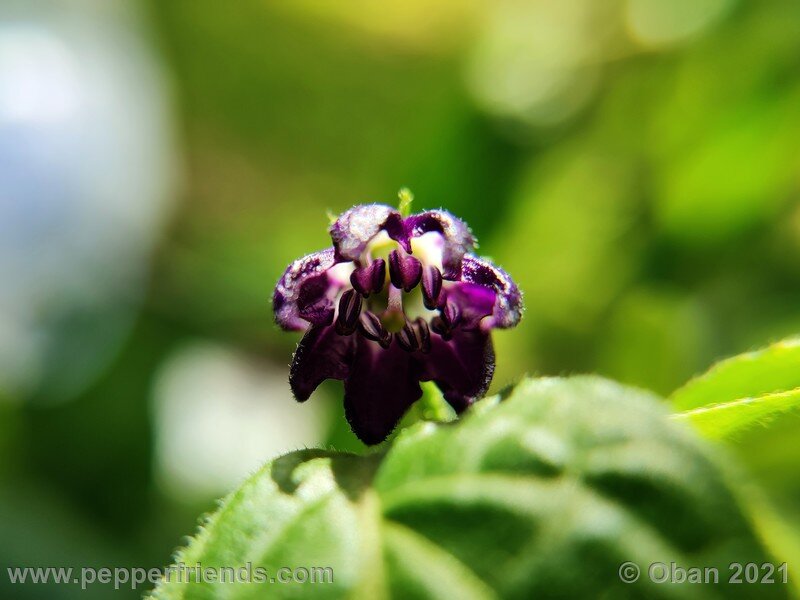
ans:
(743, 391)
(543, 493)
(773, 369)
(723, 421)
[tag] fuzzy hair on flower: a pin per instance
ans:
(395, 301)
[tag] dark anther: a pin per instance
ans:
(369, 280)
(431, 286)
(404, 271)
(370, 326)
(378, 268)
(451, 315)
(423, 335)
(407, 338)
(439, 326)
(415, 336)
(349, 309)
(360, 280)
(386, 341)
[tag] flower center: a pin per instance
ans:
(393, 294)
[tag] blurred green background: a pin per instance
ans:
(634, 164)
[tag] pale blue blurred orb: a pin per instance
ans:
(87, 167)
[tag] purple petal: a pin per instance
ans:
(321, 354)
(320, 312)
(507, 310)
(467, 304)
(300, 294)
(381, 387)
(355, 227)
(458, 239)
(461, 367)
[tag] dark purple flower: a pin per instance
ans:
(394, 302)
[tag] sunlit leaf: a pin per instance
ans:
(745, 401)
(773, 369)
(721, 421)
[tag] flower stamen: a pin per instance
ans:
(423, 335)
(431, 286)
(407, 338)
(369, 280)
(370, 326)
(405, 271)
(349, 311)
(448, 321)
